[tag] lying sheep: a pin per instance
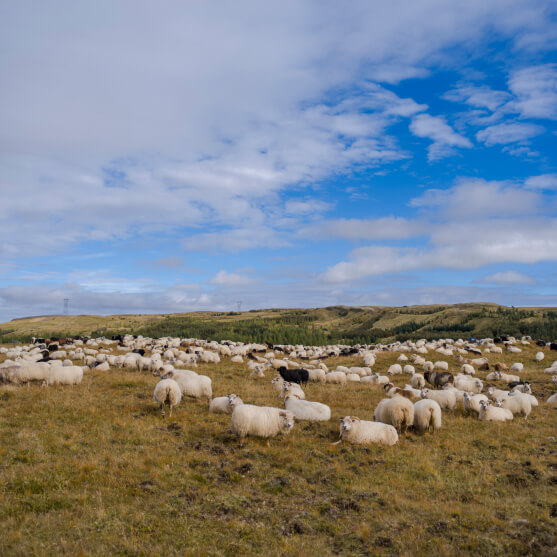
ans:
(489, 413)
(225, 404)
(467, 383)
(397, 411)
(427, 415)
(392, 391)
(500, 376)
(337, 377)
(307, 410)
(395, 369)
(363, 432)
(376, 379)
(468, 369)
(167, 391)
(292, 389)
(260, 421)
(446, 399)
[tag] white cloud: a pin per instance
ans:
(508, 277)
(224, 278)
(443, 136)
(536, 91)
(366, 229)
(508, 133)
(542, 182)
(478, 96)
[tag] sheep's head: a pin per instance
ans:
(554, 378)
(286, 421)
(424, 393)
(388, 386)
(484, 404)
(466, 396)
(347, 423)
(498, 402)
(489, 391)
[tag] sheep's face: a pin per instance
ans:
(286, 421)
(484, 404)
(424, 393)
(233, 400)
(346, 424)
(489, 391)
(466, 397)
(498, 402)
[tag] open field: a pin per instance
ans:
(95, 470)
(335, 324)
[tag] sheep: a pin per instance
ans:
(494, 393)
(489, 413)
(500, 376)
(195, 386)
(307, 410)
(428, 366)
(443, 366)
(417, 381)
(540, 356)
(209, 357)
(552, 399)
(397, 411)
(167, 391)
(338, 377)
(466, 383)
(472, 402)
(517, 405)
(14, 373)
(533, 400)
(376, 379)
(459, 395)
(260, 421)
(363, 432)
(292, 389)
(517, 367)
(522, 386)
(395, 369)
(225, 404)
(439, 378)
(317, 375)
(415, 392)
(427, 414)
(468, 369)
(257, 371)
(392, 391)
(445, 399)
(409, 369)
(294, 375)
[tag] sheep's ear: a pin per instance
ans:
(355, 418)
(283, 414)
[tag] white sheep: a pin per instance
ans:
(167, 391)
(489, 413)
(468, 369)
(395, 369)
(17, 374)
(353, 378)
(260, 421)
(443, 366)
(307, 410)
(409, 369)
(517, 405)
(363, 432)
(427, 414)
(517, 367)
(552, 399)
(292, 389)
(471, 403)
(445, 398)
(397, 411)
(376, 379)
(467, 383)
(417, 381)
(540, 356)
(500, 376)
(494, 393)
(337, 377)
(196, 386)
(316, 375)
(225, 404)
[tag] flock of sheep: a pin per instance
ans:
(411, 406)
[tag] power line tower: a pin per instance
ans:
(239, 304)
(66, 305)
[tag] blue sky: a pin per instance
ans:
(177, 156)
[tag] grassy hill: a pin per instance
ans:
(333, 324)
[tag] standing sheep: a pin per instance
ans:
(167, 391)
(427, 415)
(397, 411)
(260, 421)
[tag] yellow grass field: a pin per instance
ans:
(95, 470)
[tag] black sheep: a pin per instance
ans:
(294, 375)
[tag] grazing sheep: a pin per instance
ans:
(409, 369)
(540, 356)
(467, 383)
(392, 391)
(471, 403)
(439, 378)
(443, 366)
(317, 375)
(395, 369)
(260, 421)
(300, 376)
(167, 391)
(376, 379)
(489, 413)
(64, 375)
(417, 381)
(363, 432)
(446, 399)
(397, 411)
(195, 386)
(427, 415)
(468, 369)
(14, 373)
(517, 367)
(225, 404)
(307, 410)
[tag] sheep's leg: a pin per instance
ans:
(268, 443)
(170, 412)
(162, 409)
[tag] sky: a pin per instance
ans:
(176, 156)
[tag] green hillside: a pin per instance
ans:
(349, 325)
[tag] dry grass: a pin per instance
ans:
(95, 470)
